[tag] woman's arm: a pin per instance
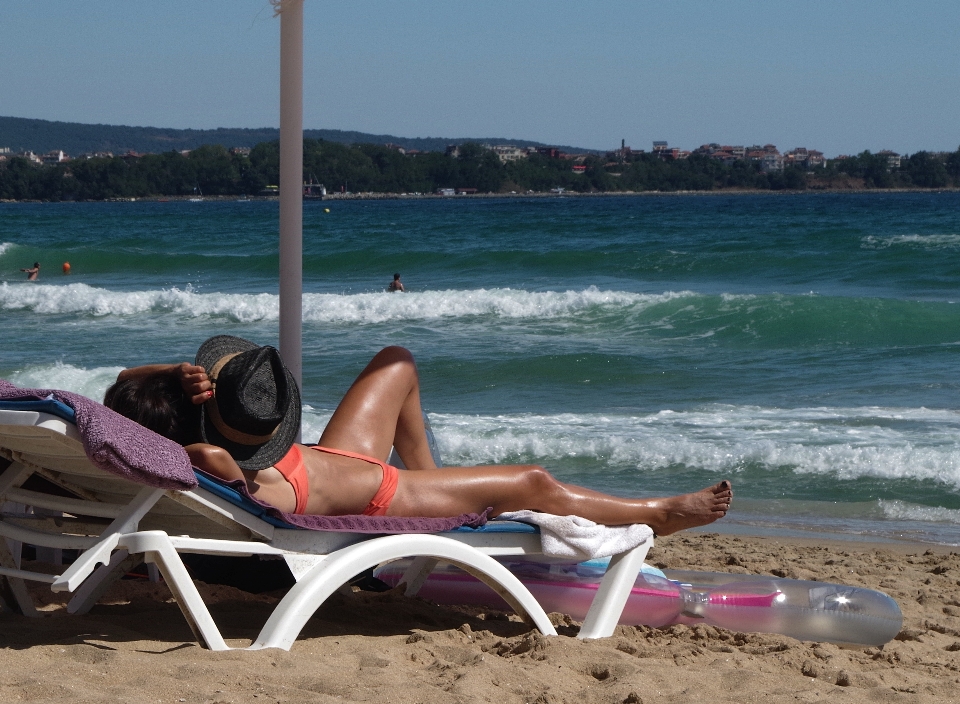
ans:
(214, 460)
(193, 379)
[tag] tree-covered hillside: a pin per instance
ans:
(41, 136)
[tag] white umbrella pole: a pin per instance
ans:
(291, 186)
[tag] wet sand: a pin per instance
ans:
(135, 646)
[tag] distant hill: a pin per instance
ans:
(40, 136)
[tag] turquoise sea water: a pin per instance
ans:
(805, 346)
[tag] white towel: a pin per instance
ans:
(577, 538)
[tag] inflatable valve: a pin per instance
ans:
(694, 603)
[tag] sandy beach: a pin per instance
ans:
(135, 646)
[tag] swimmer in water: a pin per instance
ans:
(33, 272)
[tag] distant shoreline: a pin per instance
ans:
(565, 194)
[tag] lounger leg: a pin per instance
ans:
(416, 574)
(302, 601)
(604, 613)
(17, 587)
(103, 577)
(157, 549)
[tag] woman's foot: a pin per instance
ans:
(690, 510)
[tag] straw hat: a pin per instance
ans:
(255, 411)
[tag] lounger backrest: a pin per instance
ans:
(49, 446)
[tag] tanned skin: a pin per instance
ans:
(382, 410)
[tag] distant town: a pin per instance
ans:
(767, 156)
(333, 169)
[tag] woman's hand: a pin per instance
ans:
(193, 379)
(194, 382)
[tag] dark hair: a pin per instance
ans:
(396, 276)
(159, 403)
(36, 265)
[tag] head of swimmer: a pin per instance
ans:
(157, 402)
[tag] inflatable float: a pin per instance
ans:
(813, 611)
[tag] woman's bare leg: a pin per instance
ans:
(382, 410)
(451, 491)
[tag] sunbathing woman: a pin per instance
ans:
(249, 415)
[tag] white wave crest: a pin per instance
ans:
(843, 443)
(932, 242)
(902, 511)
(918, 444)
(91, 383)
(5, 246)
(367, 308)
(88, 300)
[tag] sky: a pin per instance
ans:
(840, 76)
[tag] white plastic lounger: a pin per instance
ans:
(114, 523)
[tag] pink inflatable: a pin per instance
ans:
(815, 611)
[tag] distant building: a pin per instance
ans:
(240, 151)
(453, 151)
(622, 154)
(466, 191)
(808, 159)
(893, 159)
(5, 150)
(769, 157)
(552, 152)
(55, 157)
(96, 155)
(446, 191)
(579, 168)
(508, 152)
(663, 151)
(723, 153)
(395, 147)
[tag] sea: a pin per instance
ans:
(805, 346)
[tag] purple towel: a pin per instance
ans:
(117, 444)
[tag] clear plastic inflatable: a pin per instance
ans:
(813, 611)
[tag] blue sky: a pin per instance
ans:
(835, 75)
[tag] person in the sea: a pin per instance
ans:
(33, 272)
(395, 285)
(237, 412)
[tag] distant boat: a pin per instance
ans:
(197, 195)
(314, 190)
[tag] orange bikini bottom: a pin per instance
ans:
(292, 469)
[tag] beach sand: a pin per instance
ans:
(135, 645)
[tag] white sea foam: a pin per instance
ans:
(91, 383)
(836, 443)
(5, 247)
(902, 511)
(934, 242)
(361, 308)
(844, 443)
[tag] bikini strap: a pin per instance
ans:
(347, 453)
